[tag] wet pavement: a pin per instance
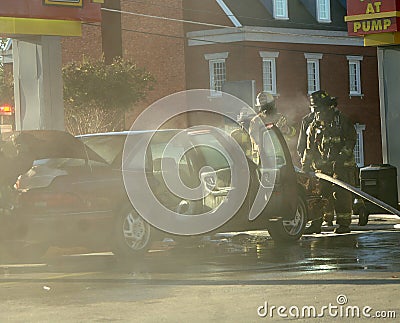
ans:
(375, 247)
(223, 278)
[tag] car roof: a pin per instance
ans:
(126, 132)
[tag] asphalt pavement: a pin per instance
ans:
(233, 277)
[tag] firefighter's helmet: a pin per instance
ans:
(320, 100)
(265, 102)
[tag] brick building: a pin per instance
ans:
(289, 48)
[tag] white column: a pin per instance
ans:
(389, 81)
(38, 83)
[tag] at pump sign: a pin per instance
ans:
(372, 17)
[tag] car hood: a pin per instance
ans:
(44, 144)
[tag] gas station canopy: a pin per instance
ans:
(47, 17)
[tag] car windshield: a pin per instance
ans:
(214, 152)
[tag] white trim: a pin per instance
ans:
(271, 61)
(360, 142)
(313, 58)
(269, 54)
(313, 55)
(223, 55)
(383, 108)
(355, 61)
(229, 13)
(324, 20)
(215, 58)
(270, 58)
(272, 34)
(354, 58)
(285, 16)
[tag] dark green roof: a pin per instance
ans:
(302, 14)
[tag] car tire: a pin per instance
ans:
(133, 235)
(290, 230)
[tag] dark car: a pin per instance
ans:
(80, 191)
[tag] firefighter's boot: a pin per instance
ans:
(315, 227)
(342, 229)
(344, 221)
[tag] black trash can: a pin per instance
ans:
(380, 181)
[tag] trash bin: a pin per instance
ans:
(380, 181)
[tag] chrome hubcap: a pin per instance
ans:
(294, 226)
(136, 232)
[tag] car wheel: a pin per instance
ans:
(290, 229)
(363, 215)
(133, 234)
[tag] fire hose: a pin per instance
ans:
(358, 192)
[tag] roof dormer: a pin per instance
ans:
(319, 9)
(277, 8)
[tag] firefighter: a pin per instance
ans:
(268, 113)
(328, 211)
(241, 135)
(302, 140)
(331, 138)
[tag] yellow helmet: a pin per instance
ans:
(265, 101)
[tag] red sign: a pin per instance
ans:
(361, 7)
(372, 17)
(373, 26)
(89, 11)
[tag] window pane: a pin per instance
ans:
(352, 75)
(312, 76)
(354, 81)
(357, 151)
(268, 76)
(323, 9)
(218, 75)
(281, 8)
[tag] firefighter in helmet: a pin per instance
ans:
(268, 113)
(331, 138)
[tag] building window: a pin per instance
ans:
(359, 147)
(217, 74)
(355, 75)
(313, 83)
(324, 10)
(217, 69)
(269, 71)
(281, 9)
